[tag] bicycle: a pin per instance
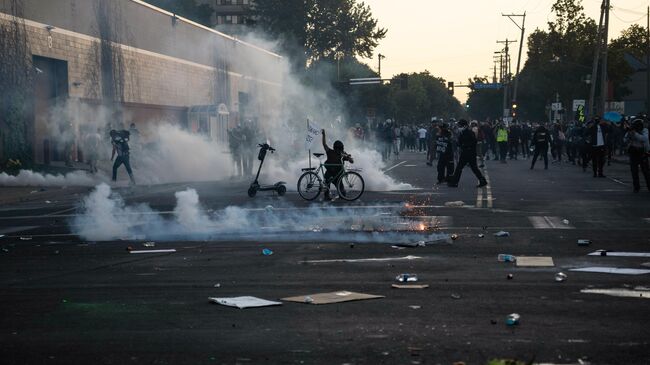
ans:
(348, 183)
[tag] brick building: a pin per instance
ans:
(143, 64)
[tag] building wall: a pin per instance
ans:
(166, 67)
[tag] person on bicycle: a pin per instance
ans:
(334, 162)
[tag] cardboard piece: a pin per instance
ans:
(244, 302)
(613, 270)
(153, 251)
(621, 254)
(409, 257)
(333, 297)
(410, 286)
(535, 261)
(626, 293)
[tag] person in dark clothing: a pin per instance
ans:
(637, 137)
(467, 146)
(334, 163)
(526, 131)
(584, 150)
(541, 139)
(120, 142)
(445, 151)
(513, 141)
(597, 132)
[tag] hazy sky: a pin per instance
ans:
(456, 39)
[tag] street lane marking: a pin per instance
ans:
(488, 188)
(479, 198)
(383, 259)
(618, 181)
(394, 166)
(16, 229)
(544, 222)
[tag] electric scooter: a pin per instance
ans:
(278, 187)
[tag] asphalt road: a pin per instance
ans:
(65, 300)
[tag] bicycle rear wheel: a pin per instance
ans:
(350, 186)
(309, 186)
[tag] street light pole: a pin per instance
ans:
(591, 112)
(604, 86)
(380, 56)
(521, 44)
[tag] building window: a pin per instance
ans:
(228, 19)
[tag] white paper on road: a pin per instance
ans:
(622, 254)
(382, 259)
(244, 302)
(332, 297)
(535, 261)
(154, 251)
(627, 293)
(613, 270)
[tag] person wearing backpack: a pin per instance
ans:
(639, 148)
(541, 139)
(445, 151)
(120, 142)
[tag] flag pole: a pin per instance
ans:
(309, 149)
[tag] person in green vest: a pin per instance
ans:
(502, 141)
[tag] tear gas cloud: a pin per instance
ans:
(168, 153)
(105, 216)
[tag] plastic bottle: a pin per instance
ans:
(502, 257)
(267, 252)
(403, 278)
(513, 319)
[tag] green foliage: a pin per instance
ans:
(321, 29)
(189, 9)
(484, 103)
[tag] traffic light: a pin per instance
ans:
(450, 87)
(514, 109)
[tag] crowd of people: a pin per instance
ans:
(596, 143)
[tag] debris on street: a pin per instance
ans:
(513, 319)
(267, 252)
(613, 270)
(403, 278)
(625, 293)
(584, 242)
(458, 203)
(620, 254)
(332, 297)
(502, 234)
(244, 302)
(153, 251)
(382, 259)
(535, 261)
(560, 277)
(410, 286)
(506, 258)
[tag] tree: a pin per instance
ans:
(320, 29)
(633, 42)
(484, 103)
(189, 9)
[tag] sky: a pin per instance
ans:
(456, 39)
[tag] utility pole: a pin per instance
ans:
(647, 64)
(506, 79)
(604, 85)
(591, 112)
(380, 56)
(521, 44)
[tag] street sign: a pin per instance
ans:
(556, 106)
(580, 114)
(365, 81)
(478, 86)
(577, 103)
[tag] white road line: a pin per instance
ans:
(479, 198)
(394, 166)
(16, 229)
(618, 181)
(545, 222)
(488, 188)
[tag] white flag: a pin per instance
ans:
(313, 132)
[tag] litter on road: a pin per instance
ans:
(584, 242)
(149, 244)
(502, 257)
(333, 297)
(153, 251)
(535, 261)
(403, 278)
(613, 270)
(382, 259)
(457, 203)
(513, 319)
(25, 238)
(560, 277)
(244, 302)
(626, 293)
(267, 252)
(620, 254)
(502, 234)
(410, 286)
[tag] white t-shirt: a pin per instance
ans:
(600, 141)
(422, 133)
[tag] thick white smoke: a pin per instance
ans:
(31, 178)
(104, 216)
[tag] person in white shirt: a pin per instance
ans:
(422, 139)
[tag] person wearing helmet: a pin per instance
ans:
(445, 151)
(639, 148)
(334, 162)
(467, 146)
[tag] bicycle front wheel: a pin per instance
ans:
(309, 186)
(351, 186)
